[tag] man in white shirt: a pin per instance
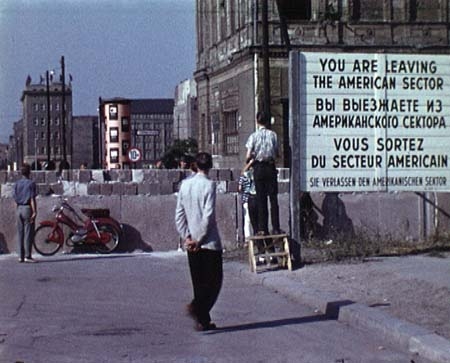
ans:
(262, 145)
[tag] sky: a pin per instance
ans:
(112, 48)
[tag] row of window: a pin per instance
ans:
(43, 107)
(220, 20)
(55, 150)
(43, 135)
(43, 121)
(152, 116)
(150, 126)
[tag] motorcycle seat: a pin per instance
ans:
(96, 212)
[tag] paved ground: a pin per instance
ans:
(130, 308)
(403, 299)
(407, 299)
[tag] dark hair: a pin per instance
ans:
(25, 169)
(204, 161)
(261, 118)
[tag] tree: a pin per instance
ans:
(178, 149)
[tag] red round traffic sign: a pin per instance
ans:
(134, 154)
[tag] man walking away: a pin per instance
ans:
(25, 198)
(262, 145)
(196, 223)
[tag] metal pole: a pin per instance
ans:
(266, 63)
(63, 111)
(48, 117)
(100, 129)
(35, 151)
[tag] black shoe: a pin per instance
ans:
(273, 261)
(206, 327)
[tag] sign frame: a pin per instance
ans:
(134, 154)
(377, 159)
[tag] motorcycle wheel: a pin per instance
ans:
(110, 238)
(47, 240)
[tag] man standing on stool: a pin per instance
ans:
(25, 198)
(196, 223)
(262, 145)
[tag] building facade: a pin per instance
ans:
(4, 150)
(152, 127)
(243, 55)
(185, 115)
(46, 129)
(15, 149)
(116, 133)
(85, 142)
(143, 124)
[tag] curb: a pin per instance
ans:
(411, 337)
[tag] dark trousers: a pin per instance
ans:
(253, 212)
(266, 185)
(207, 275)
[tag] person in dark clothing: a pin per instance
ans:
(25, 198)
(262, 145)
(196, 223)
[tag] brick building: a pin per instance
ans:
(242, 55)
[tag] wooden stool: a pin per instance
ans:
(274, 246)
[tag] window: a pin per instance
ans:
(125, 124)
(36, 121)
(295, 10)
(368, 10)
(223, 19)
(114, 134)
(430, 10)
(214, 133)
(113, 112)
(57, 121)
(114, 155)
(42, 121)
(231, 133)
(125, 147)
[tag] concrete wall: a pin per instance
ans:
(144, 202)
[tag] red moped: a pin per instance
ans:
(97, 229)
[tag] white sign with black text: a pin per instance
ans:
(371, 122)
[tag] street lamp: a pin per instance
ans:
(49, 165)
(64, 162)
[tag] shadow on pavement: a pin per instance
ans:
(73, 257)
(271, 324)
